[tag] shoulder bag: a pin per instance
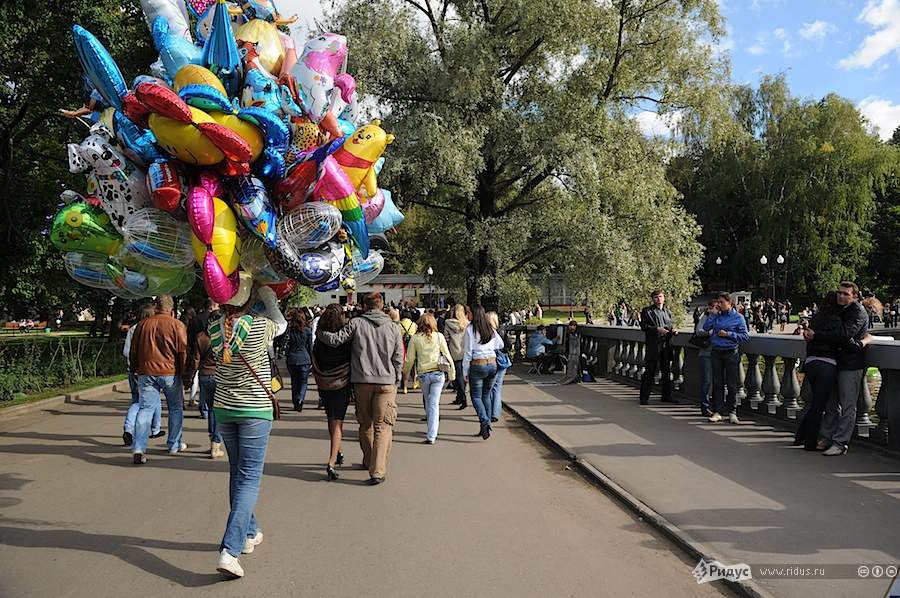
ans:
(276, 409)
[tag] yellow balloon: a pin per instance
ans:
(268, 42)
(195, 74)
(225, 242)
(184, 141)
(247, 131)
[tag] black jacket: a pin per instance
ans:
(650, 321)
(298, 349)
(853, 328)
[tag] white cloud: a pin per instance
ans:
(817, 30)
(656, 125)
(884, 17)
(882, 114)
(756, 49)
(784, 37)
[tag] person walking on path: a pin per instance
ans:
(244, 409)
(331, 368)
(158, 353)
(573, 355)
(504, 362)
(375, 369)
(454, 334)
(298, 352)
(202, 362)
(199, 323)
(840, 411)
(705, 356)
(657, 324)
(727, 332)
(408, 331)
(425, 353)
(131, 414)
(480, 365)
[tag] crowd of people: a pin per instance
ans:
(363, 355)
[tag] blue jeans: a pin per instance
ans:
(299, 381)
(207, 393)
(481, 380)
(705, 382)
(432, 385)
(131, 415)
(497, 393)
(245, 441)
(150, 389)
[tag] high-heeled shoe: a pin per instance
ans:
(340, 458)
(331, 473)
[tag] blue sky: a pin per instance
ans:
(851, 47)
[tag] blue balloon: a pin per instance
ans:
(138, 144)
(220, 52)
(271, 164)
(206, 98)
(346, 126)
(174, 51)
(260, 91)
(100, 67)
(251, 202)
(389, 217)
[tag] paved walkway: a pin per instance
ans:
(743, 491)
(462, 518)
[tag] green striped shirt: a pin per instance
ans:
(238, 394)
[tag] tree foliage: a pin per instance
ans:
(517, 150)
(39, 74)
(794, 177)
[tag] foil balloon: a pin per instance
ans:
(121, 187)
(219, 256)
(310, 225)
(373, 207)
(174, 13)
(283, 289)
(254, 261)
(201, 211)
(220, 52)
(267, 39)
(138, 144)
(146, 281)
(175, 51)
(83, 228)
(310, 267)
(194, 74)
(389, 217)
(155, 238)
(89, 269)
(359, 153)
(251, 201)
(334, 187)
(99, 67)
(365, 270)
(316, 73)
(167, 185)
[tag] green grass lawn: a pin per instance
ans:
(21, 399)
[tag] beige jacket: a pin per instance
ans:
(424, 351)
(455, 334)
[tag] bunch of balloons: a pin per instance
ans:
(235, 154)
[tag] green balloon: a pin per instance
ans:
(80, 226)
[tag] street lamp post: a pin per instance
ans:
(430, 273)
(764, 261)
(780, 261)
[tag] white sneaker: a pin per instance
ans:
(182, 447)
(715, 418)
(835, 450)
(733, 418)
(229, 565)
(251, 543)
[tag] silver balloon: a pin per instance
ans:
(157, 239)
(89, 269)
(254, 261)
(366, 270)
(310, 225)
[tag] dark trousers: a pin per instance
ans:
(299, 380)
(662, 361)
(459, 384)
(725, 380)
(822, 378)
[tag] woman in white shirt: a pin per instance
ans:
(480, 365)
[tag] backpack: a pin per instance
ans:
(406, 336)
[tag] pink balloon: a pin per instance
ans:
(200, 209)
(219, 287)
(372, 208)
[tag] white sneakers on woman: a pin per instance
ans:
(251, 543)
(229, 566)
(717, 417)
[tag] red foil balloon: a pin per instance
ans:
(283, 289)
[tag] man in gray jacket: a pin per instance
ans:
(376, 364)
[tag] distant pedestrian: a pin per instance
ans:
(455, 333)
(131, 415)
(375, 370)
(728, 331)
(504, 362)
(331, 368)
(298, 353)
(426, 351)
(704, 354)
(658, 325)
(202, 364)
(480, 364)
(244, 408)
(158, 353)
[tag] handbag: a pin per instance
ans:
(276, 409)
(277, 380)
(701, 340)
(333, 379)
(503, 360)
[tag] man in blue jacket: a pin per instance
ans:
(728, 330)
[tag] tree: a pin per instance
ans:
(883, 271)
(39, 74)
(793, 178)
(517, 149)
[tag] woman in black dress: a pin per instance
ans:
(331, 368)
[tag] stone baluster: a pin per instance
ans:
(888, 428)
(790, 387)
(863, 407)
(617, 357)
(741, 393)
(635, 359)
(677, 368)
(627, 359)
(754, 381)
(641, 361)
(770, 385)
